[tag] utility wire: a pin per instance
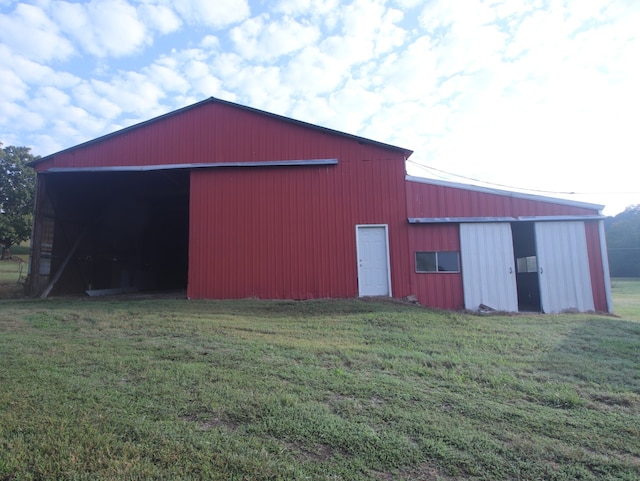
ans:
(432, 170)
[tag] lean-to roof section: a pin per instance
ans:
(430, 200)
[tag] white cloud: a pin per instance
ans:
(18, 119)
(133, 93)
(353, 106)
(261, 38)
(87, 97)
(217, 14)
(313, 8)
(102, 27)
(50, 99)
(360, 38)
(313, 109)
(201, 71)
(313, 71)
(210, 42)
(408, 4)
(390, 35)
(165, 74)
(262, 88)
(29, 32)
(227, 65)
(160, 17)
(13, 87)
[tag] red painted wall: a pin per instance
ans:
(426, 200)
(438, 289)
(289, 232)
(596, 266)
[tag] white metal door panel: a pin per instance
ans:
(488, 270)
(373, 260)
(563, 267)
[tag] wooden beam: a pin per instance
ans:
(36, 235)
(63, 266)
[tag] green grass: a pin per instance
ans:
(13, 272)
(626, 294)
(335, 390)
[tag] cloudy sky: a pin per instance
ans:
(542, 95)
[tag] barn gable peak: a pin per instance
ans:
(216, 101)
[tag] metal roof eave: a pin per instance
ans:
(211, 165)
(532, 218)
(507, 193)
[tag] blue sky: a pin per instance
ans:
(534, 95)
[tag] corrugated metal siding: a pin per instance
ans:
(427, 200)
(595, 266)
(563, 263)
(488, 266)
(289, 232)
(441, 290)
(438, 201)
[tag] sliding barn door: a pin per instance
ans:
(563, 267)
(488, 270)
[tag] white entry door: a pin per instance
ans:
(488, 270)
(563, 267)
(372, 244)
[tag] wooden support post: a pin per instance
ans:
(36, 236)
(63, 266)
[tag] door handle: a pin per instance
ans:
(541, 270)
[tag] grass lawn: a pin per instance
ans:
(327, 390)
(13, 272)
(626, 295)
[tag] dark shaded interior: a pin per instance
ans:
(528, 284)
(122, 230)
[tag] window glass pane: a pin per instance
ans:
(448, 262)
(522, 264)
(527, 264)
(45, 266)
(425, 261)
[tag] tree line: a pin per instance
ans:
(623, 242)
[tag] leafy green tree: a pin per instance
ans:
(17, 192)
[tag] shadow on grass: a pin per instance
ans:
(602, 351)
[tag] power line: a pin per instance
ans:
(432, 170)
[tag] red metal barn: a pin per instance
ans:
(231, 202)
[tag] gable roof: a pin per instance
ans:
(213, 100)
